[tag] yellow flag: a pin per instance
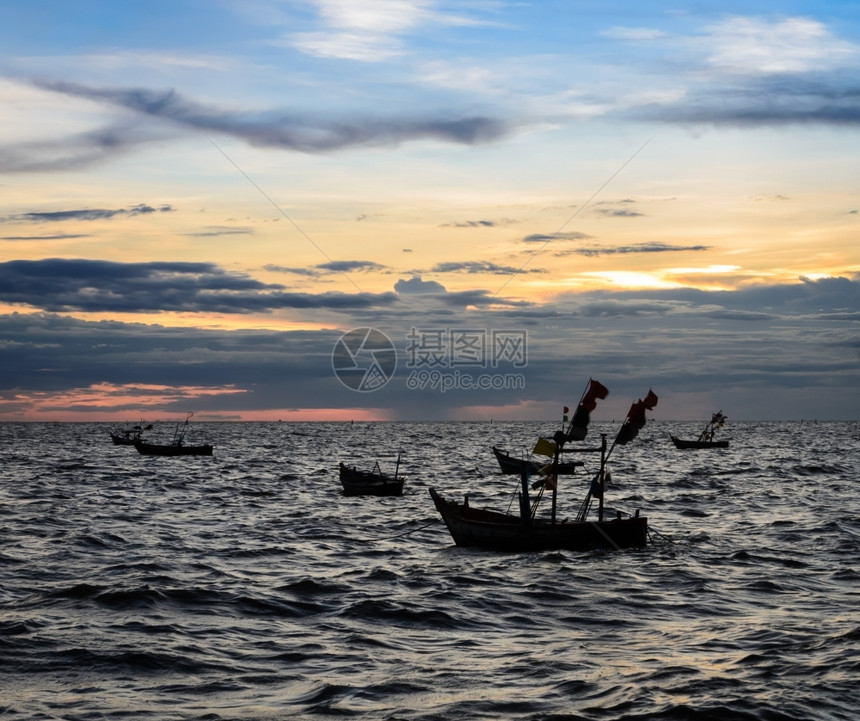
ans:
(544, 447)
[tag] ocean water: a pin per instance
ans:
(246, 586)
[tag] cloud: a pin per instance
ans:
(370, 31)
(630, 249)
(57, 359)
(280, 130)
(47, 356)
(416, 286)
(751, 45)
(79, 150)
(779, 100)
(480, 266)
(349, 266)
(836, 297)
(330, 268)
(60, 236)
(86, 214)
(308, 272)
(218, 232)
(62, 285)
(619, 212)
(544, 238)
(471, 224)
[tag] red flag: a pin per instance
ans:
(635, 419)
(636, 414)
(579, 425)
(595, 390)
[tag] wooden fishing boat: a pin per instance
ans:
(371, 483)
(128, 436)
(681, 443)
(494, 530)
(176, 447)
(511, 465)
(526, 530)
(706, 437)
(172, 449)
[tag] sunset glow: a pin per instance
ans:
(191, 219)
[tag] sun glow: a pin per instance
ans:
(631, 279)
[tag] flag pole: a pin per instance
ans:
(573, 417)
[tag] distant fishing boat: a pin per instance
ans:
(706, 437)
(128, 436)
(172, 449)
(176, 447)
(526, 531)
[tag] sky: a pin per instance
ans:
(428, 210)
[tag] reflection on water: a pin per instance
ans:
(246, 586)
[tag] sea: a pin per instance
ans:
(247, 586)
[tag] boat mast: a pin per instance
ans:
(602, 473)
(525, 503)
(554, 472)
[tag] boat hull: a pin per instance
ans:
(121, 440)
(514, 466)
(500, 532)
(154, 449)
(681, 443)
(363, 483)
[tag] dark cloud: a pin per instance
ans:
(60, 284)
(636, 248)
(294, 270)
(54, 353)
(481, 266)
(678, 341)
(60, 236)
(471, 224)
(281, 130)
(543, 238)
(73, 152)
(86, 214)
(349, 266)
(777, 99)
(837, 297)
(332, 267)
(619, 212)
(416, 286)
(218, 232)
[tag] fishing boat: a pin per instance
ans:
(526, 530)
(176, 447)
(172, 449)
(371, 483)
(706, 437)
(128, 436)
(124, 438)
(512, 465)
